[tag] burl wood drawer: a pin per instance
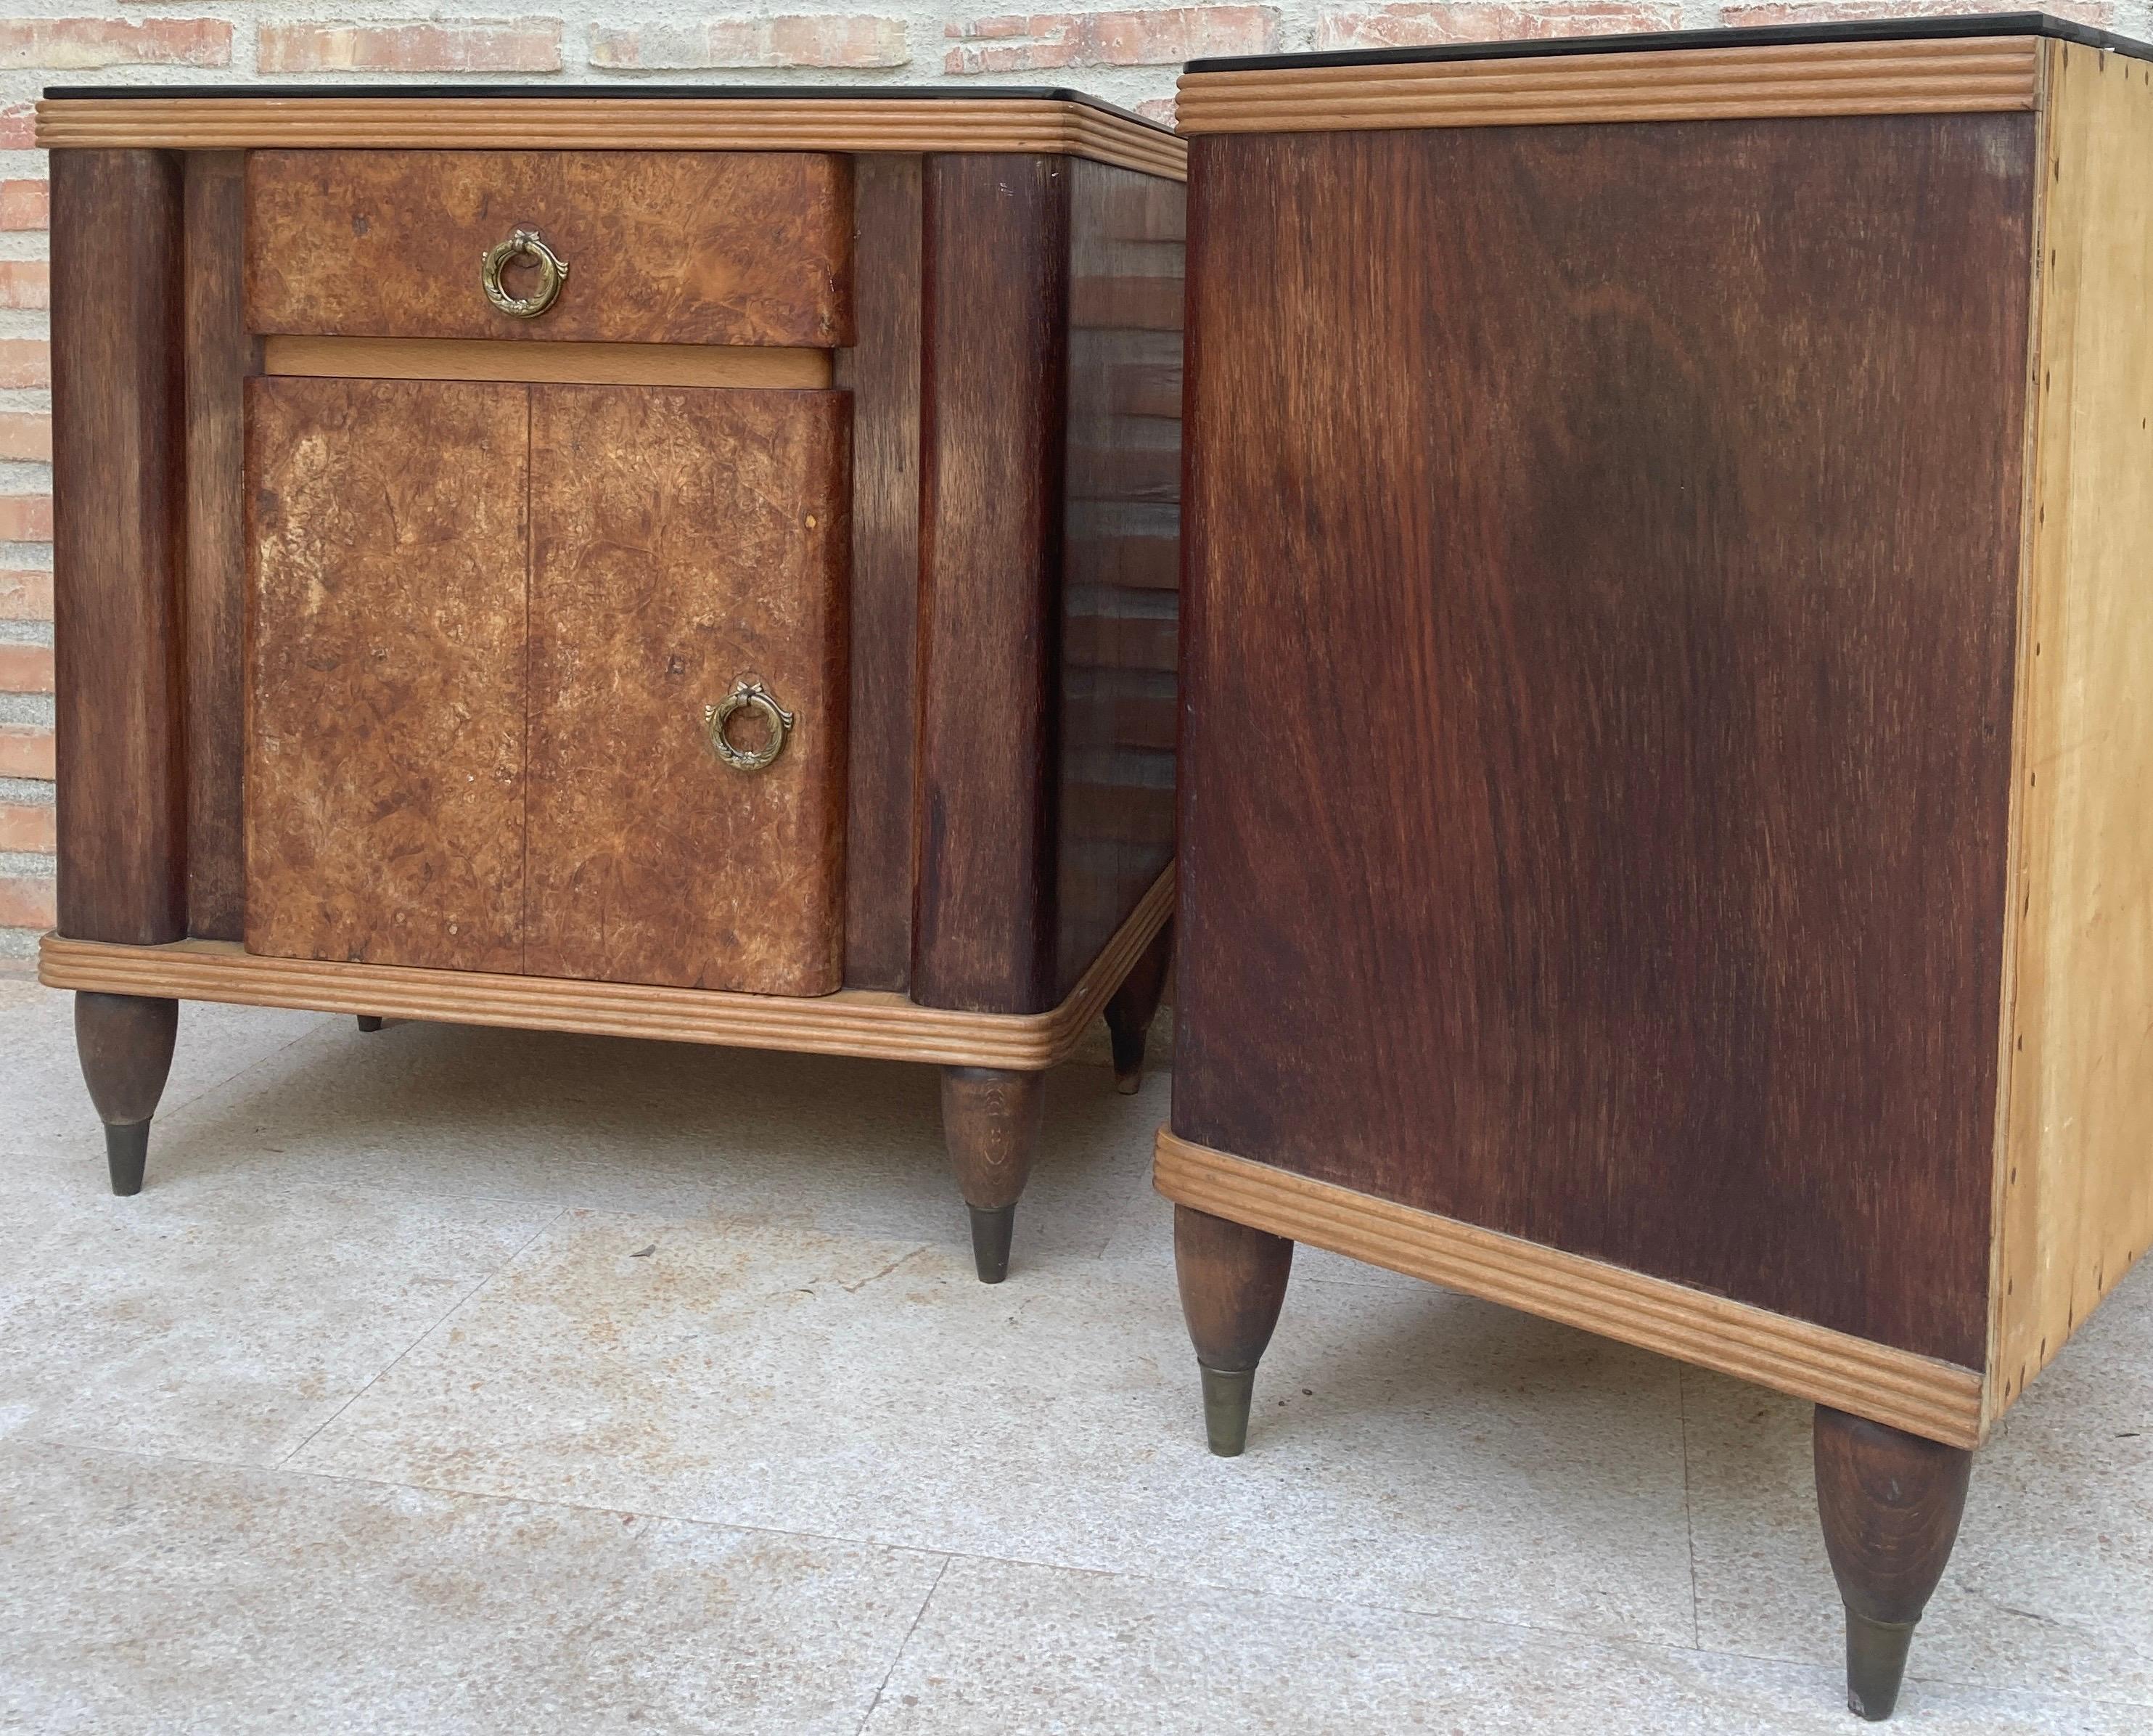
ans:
(660, 246)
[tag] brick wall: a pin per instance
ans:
(1127, 54)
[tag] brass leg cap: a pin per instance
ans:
(1228, 1393)
(369, 1021)
(127, 1155)
(1875, 1665)
(992, 1228)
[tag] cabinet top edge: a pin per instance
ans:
(1017, 121)
(1954, 28)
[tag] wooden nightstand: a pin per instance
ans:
(711, 577)
(1667, 818)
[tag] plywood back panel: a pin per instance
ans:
(2076, 1177)
(384, 790)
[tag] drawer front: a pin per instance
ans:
(384, 763)
(683, 542)
(661, 247)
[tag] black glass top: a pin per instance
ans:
(1923, 30)
(500, 93)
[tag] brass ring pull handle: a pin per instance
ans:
(553, 273)
(747, 696)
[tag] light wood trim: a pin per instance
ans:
(515, 123)
(619, 365)
(864, 1022)
(1924, 1397)
(2075, 1171)
(1948, 76)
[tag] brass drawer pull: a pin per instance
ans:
(553, 273)
(747, 696)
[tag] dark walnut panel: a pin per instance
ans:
(1600, 617)
(662, 247)
(682, 540)
(384, 778)
(1114, 815)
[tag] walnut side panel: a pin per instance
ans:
(1935, 1399)
(992, 439)
(385, 780)
(2076, 1208)
(723, 247)
(1120, 606)
(682, 541)
(117, 447)
(1633, 883)
(882, 372)
(219, 356)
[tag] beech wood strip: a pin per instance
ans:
(1938, 1400)
(610, 123)
(625, 364)
(1971, 76)
(865, 1022)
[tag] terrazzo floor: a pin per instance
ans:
(453, 1380)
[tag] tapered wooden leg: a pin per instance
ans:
(368, 1023)
(125, 1045)
(1891, 1503)
(1129, 1014)
(1232, 1284)
(990, 1119)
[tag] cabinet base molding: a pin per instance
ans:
(1936, 1400)
(866, 1022)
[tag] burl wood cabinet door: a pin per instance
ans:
(684, 541)
(385, 786)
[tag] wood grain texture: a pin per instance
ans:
(882, 372)
(118, 482)
(219, 355)
(385, 765)
(992, 407)
(1600, 691)
(1967, 75)
(1044, 126)
(679, 247)
(680, 541)
(866, 1022)
(1926, 1396)
(2075, 1185)
(623, 364)
(1114, 822)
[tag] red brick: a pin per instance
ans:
(26, 435)
(85, 44)
(1158, 108)
(1824, 12)
(26, 518)
(26, 595)
(27, 826)
(1165, 36)
(18, 128)
(24, 283)
(24, 204)
(1413, 21)
(832, 39)
(25, 362)
(25, 669)
(451, 45)
(27, 901)
(26, 751)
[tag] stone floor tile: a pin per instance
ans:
(158, 1596)
(219, 1318)
(1003, 1647)
(1415, 1448)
